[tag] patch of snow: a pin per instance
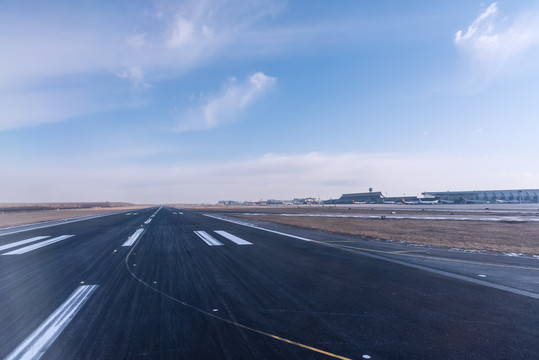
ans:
(513, 254)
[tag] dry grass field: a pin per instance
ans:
(14, 218)
(480, 235)
(498, 236)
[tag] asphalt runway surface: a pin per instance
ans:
(163, 283)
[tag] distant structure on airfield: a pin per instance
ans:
(519, 196)
(486, 196)
(443, 197)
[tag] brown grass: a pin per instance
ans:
(30, 217)
(480, 235)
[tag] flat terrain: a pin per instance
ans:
(14, 218)
(499, 228)
(176, 284)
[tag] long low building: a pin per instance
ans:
(513, 196)
(367, 197)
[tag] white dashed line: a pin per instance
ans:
(133, 238)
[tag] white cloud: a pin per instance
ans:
(137, 41)
(482, 25)
(227, 105)
(278, 176)
(183, 33)
(135, 74)
(43, 50)
(36, 107)
(494, 41)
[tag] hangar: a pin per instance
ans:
(368, 197)
(513, 196)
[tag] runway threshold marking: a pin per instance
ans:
(133, 238)
(22, 242)
(233, 238)
(35, 345)
(38, 245)
(208, 239)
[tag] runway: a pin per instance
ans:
(165, 283)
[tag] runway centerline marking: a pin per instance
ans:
(208, 239)
(233, 238)
(22, 242)
(38, 245)
(35, 345)
(133, 238)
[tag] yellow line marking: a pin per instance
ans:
(311, 348)
(432, 257)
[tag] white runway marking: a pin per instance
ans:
(148, 221)
(42, 338)
(257, 227)
(38, 245)
(22, 242)
(133, 238)
(208, 239)
(233, 238)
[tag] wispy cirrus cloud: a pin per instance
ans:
(136, 75)
(494, 41)
(42, 50)
(227, 105)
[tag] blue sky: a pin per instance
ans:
(200, 101)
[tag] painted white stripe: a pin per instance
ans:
(38, 245)
(148, 221)
(42, 338)
(208, 239)
(22, 242)
(233, 238)
(133, 238)
(258, 227)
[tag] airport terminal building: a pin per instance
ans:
(478, 196)
(367, 197)
(457, 197)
